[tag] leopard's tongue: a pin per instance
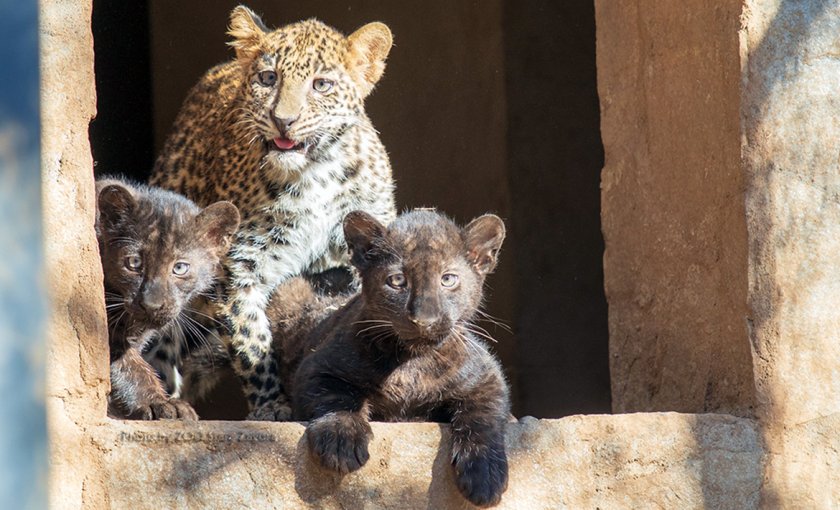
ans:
(284, 143)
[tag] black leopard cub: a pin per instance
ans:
(401, 349)
(159, 251)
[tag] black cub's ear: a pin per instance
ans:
(362, 233)
(484, 236)
(218, 222)
(114, 202)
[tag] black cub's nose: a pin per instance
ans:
(150, 305)
(423, 322)
(424, 312)
(152, 297)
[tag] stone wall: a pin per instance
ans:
(721, 206)
(631, 461)
(720, 277)
(77, 349)
(790, 111)
(672, 209)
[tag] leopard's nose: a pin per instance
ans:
(284, 123)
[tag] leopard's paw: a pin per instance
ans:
(271, 411)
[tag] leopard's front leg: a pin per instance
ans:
(259, 260)
(252, 355)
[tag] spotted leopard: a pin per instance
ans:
(281, 131)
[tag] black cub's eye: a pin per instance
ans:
(449, 280)
(322, 85)
(267, 78)
(396, 280)
(180, 268)
(133, 262)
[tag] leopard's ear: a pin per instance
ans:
(248, 32)
(484, 236)
(369, 47)
(364, 235)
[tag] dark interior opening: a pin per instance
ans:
(485, 106)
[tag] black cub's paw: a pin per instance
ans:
(339, 441)
(482, 478)
(171, 409)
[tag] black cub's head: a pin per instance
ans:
(158, 249)
(423, 273)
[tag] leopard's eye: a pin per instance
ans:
(180, 268)
(396, 280)
(322, 85)
(133, 263)
(449, 280)
(267, 78)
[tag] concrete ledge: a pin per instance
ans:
(662, 460)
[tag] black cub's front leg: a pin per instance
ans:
(481, 469)
(340, 440)
(338, 434)
(478, 447)
(137, 393)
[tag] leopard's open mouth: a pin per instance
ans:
(283, 144)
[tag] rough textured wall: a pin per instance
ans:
(791, 133)
(632, 461)
(77, 355)
(672, 209)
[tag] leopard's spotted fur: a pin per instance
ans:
(226, 145)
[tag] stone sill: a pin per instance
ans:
(666, 460)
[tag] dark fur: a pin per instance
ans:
(146, 304)
(399, 354)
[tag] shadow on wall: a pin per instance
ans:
(784, 106)
(485, 106)
(187, 478)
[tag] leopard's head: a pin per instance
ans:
(304, 84)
